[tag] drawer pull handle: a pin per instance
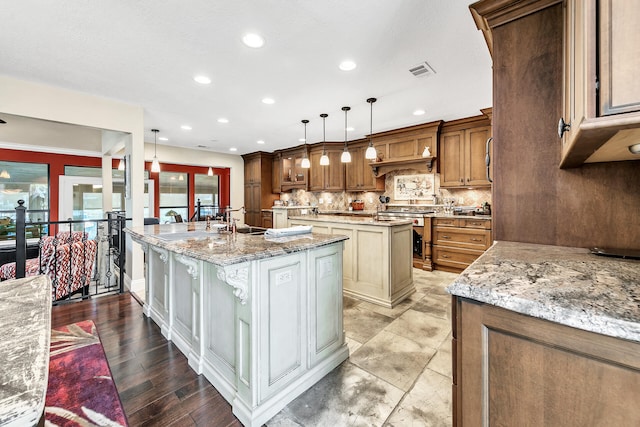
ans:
(476, 240)
(445, 256)
(446, 237)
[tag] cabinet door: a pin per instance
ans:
(475, 149)
(451, 159)
(353, 170)
(334, 176)
(619, 57)
(316, 172)
(276, 175)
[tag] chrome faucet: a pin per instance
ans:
(208, 227)
(228, 211)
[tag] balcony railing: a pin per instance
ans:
(83, 258)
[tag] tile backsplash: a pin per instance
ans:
(341, 200)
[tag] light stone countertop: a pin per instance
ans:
(25, 335)
(569, 286)
(192, 240)
(346, 219)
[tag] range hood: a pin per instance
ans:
(383, 167)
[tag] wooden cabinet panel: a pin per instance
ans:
(457, 242)
(327, 178)
(451, 159)
(462, 153)
(257, 187)
(276, 181)
(359, 175)
(512, 369)
(292, 175)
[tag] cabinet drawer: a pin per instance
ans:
(475, 223)
(462, 237)
(446, 222)
(455, 257)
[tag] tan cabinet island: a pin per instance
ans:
(378, 257)
(260, 318)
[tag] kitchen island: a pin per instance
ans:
(546, 335)
(260, 318)
(378, 260)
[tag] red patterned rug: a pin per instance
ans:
(81, 391)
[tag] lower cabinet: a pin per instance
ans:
(457, 242)
(511, 369)
(267, 219)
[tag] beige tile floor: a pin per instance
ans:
(399, 368)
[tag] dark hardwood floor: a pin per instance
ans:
(155, 383)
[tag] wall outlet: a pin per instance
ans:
(321, 201)
(329, 201)
(460, 201)
(370, 200)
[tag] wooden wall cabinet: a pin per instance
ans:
(276, 174)
(292, 175)
(257, 186)
(601, 90)
(267, 219)
(331, 177)
(458, 241)
(359, 175)
(511, 369)
(462, 153)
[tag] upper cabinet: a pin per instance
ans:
(331, 177)
(291, 174)
(601, 108)
(405, 147)
(257, 178)
(359, 176)
(463, 148)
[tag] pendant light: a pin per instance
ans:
(210, 171)
(324, 159)
(121, 165)
(155, 165)
(306, 164)
(346, 156)
(371, 153)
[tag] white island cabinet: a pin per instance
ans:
(260, 318)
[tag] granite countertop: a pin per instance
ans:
(359, 220)
(191, 239)
(25, 334)
(565, 285)
(370, 212)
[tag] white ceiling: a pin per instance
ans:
(147, 52)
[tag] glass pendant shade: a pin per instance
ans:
(210, 171)
(305, 164)
(155, 165)
(121, 165)
(346, 156)
(324, 159)
(371, 153)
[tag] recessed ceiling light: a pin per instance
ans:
(418, 112)
(233, 149)
(163, 138)
(223, 120)
(253, 40)
(350, 129)
(260, 141)
(185, 127)
(347, 65)
(268, 101)
(203, 80)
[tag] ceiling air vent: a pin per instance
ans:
(422, 70)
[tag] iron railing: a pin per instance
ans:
(83, 258)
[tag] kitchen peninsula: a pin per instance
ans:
(546, 333)
(378, 261)
(260, 317)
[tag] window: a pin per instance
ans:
(174, 196)
(28, 182)
(207, 191)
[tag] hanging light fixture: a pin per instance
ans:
(210, 171)
(155, 165)
(5, 174)
(324, 159)
(306, 164)
(346, 156)
(121, 165)
(371, 153)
